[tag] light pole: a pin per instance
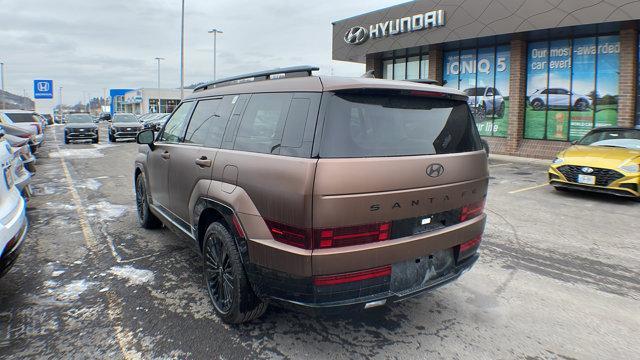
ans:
(182, 55)
(60, 102)
(215, 32)
(158, 59)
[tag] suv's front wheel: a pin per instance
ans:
(233, 299)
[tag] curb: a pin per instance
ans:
(518, 159)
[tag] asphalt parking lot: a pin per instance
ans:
(558, 278)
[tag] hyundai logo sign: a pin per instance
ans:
(587, 170)
(43, 89)
(435, 170)
(359, 34)
(356, 35)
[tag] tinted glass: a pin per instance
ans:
(475, 91)
(262, 123)
(612, 138)
(79, 118)
(22, 117)
(174, 129)
(296, 122)
(387, 125)
(124, 118)
(207, 125)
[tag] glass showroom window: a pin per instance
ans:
(153, 105)
(483, 74)
(572, 87)
(403, 68)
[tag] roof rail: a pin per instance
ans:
(425, 81)
(278, 73)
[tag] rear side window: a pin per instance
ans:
(207, 125)
(22, 118)
(370, 125)
(262, 123)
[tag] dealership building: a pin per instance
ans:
(539, 74)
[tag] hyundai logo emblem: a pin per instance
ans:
(435, 170)
(356, 35)
(587, 170)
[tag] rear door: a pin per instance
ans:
(400, 159)
(159, 159)
(192, 164)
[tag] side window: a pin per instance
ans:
(174, 128)
(544, 92)
(206, 126)
(262, 123)
(296, 122)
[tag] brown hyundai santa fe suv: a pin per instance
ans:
(325, 193)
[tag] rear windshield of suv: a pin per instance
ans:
(22, 117)
(373, 125)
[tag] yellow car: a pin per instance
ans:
(605, 160)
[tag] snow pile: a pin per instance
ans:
(132, 275)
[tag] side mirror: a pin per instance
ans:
(146, 137)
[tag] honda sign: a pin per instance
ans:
(43, 89)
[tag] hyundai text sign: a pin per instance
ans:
(359, 34)
(43, 89)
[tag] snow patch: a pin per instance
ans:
(132, 275)
(76, 154)
(71, 291)
(91, 184)
(106, 211)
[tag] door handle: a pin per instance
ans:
(165, 155)
(203, 162)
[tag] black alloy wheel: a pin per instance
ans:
(219, 275)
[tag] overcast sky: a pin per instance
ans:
(88, 45)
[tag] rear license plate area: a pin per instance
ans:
(418, 272)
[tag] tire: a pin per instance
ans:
(112, 138)
(146, 218)
(560, 188)
(96, 140)
(236, 302)
(66, 140)
(500, 112)
(537, 105)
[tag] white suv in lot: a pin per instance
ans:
(559, 98)
(13, 220)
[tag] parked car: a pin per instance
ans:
(605, 160)
(49, 118)
(324, 193)
(13, 219)
(487, 100)
(156, 122)
(28, 159)
(80, 127)
(559, 98)
(124, 126)
(105, 116)
(26, 120)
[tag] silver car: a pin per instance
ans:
(485, 100)
(559, 98)
(13, 220)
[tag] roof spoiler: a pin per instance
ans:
(278, 73)
(426, 81)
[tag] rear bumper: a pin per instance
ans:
(303, 295)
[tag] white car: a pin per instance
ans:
(13, 219)
(559, 98)
(28, 120)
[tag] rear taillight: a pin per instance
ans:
(471, 244)
(329, 238)
(352, 235)
(352, 277)
(290, 235)
(472, 210)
